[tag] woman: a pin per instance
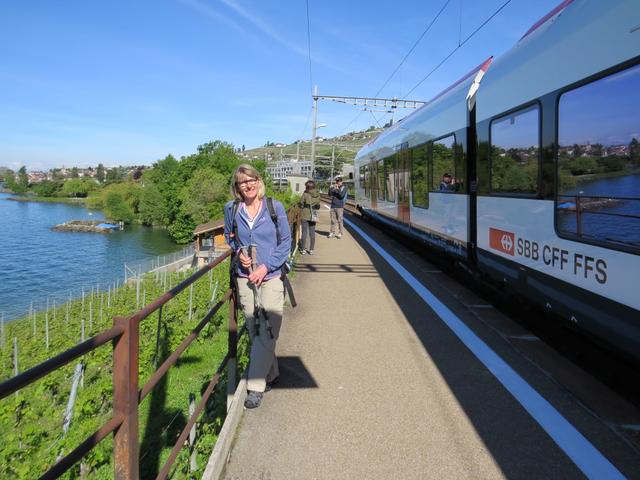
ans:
(309, 204)
(253, 237)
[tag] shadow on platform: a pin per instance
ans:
(516, 441)
(294, 374)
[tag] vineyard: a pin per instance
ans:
(46, 420)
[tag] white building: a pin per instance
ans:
(282, 169)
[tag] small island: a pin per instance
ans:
(94, 226)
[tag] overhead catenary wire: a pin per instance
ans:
(306, 124)
(460, 45)
(309, 48)
(415, 44)
(375, 119)
(460, 24)
(457, 48)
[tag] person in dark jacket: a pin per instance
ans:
(338, 194)
(261, 257)
(448, 183)
(309, 205)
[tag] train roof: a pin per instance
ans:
(440, 116)
(578, 39)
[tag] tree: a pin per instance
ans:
(204, 195)
(56, 174)
(5, 173)
(23, 178)
(634, 152)
(153, 209)
(577, 150)
(582, 165)
(18, 183)
(74, 172)
(116, 208)
(164, 175)
(100, 173)
(47, 188)
(112, 175)
(78, 187)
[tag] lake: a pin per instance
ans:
(37, 262)
(617, 222)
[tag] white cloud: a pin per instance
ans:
(265, 28)
(213, 14)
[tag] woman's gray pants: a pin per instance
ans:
(308, 228)
(263, 364)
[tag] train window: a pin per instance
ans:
(380, 175)
(443, 158)
(598, 167)
(515, 152)
(361, 181)
(419, 175)
(389, 179)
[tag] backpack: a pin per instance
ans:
(286, 267)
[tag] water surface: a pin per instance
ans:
(36, 262)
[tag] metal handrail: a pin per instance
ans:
(126, 395)
(173, 358)
(581, 209)
(599, 196)
(29, 376)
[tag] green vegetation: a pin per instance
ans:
(31, 420)
(19, 183)
(586, 163)
(176, 194)
(346, 147)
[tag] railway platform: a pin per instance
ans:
(391, 369)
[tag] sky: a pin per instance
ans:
(129, 82)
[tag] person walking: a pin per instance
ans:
(309, 206)
(253, 235)
(338, 194)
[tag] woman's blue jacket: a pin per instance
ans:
(263, 234)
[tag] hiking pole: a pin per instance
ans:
(257, 292)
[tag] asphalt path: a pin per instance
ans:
(390, 369)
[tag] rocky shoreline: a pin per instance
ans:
(93, 226)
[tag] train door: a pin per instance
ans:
(373, 184)
(403, 165)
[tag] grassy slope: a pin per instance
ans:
(30, 422)
(322, 148)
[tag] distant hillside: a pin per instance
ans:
(346, 147)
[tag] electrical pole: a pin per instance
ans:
(315, 126)
(333, 160)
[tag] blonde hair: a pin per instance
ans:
(247, 171)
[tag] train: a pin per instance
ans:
(526, 171)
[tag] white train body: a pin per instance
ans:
(544, 147)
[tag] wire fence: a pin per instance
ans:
(133, 269)
(44, 301)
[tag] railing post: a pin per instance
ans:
(578, 216)
(232, 349)
(125, 400)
